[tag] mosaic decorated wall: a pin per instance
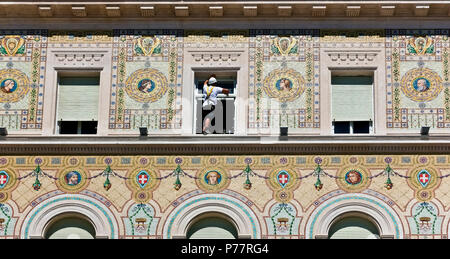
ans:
(22, 70)
(417, 78)
(284, 79)
(282, 196)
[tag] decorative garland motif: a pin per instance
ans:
(141, 222)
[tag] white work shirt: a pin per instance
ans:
(210, 93)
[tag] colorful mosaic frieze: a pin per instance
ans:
(346, 35)
(282, 196)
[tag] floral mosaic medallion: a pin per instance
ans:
(421, 84)
(146, 85)
(213, 179)
(285, 85)
(4, 196)
(283, 196)
(284, 46)
(146, 46)
(72, 180)
(283, 178)
(353, 179)
(142, 196)
(140, 179)
(12, 45)
(14, 85)
(420, 46)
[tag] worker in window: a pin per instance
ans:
(210, 92)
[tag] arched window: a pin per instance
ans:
(212, 226)
(70, 226)
(353, 226)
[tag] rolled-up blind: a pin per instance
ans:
(352, 98)
(78, 98)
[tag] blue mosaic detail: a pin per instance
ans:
(195, 160)
(161, 160)
(265, 160)
(336, 160)
(406, 159)
(371, 160)
(56, 161)
(397, 234)
(441, 159)
(301, 160)
(252, 221)
(231, 160)
(20, 160)
(68, 199)
(125, 160)
(91, 160)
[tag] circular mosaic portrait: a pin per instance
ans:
(72, 180)
(285, 85)
(14, 85)
(146, 85)
(353, 179)
(212, 180)
(421, 84)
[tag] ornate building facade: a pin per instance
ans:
(361, 80)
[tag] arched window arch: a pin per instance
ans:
(70, 226)
(354, 225)
(212, 226)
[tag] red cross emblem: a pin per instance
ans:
(424, 178)
(4, 177)
(142, 178)
(283, 178)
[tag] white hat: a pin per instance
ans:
(212, 80)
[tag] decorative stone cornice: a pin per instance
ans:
(78, 59)
(363, 57)
(173, 9)
(214, 146)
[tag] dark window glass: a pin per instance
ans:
(78, 127)
(68, 127)
(89, 127)
(342, 127)
(361, 127)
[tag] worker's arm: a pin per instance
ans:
(225, 91)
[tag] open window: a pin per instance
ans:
(352, 102)
(224, 112)
(77, 104)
